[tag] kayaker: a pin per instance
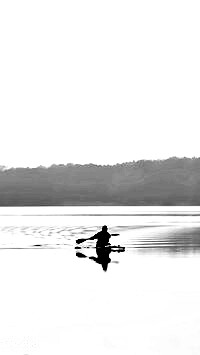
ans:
(103, 253)
(102, 237)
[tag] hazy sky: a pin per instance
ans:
(100, 81)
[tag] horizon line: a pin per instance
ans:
(7, 167)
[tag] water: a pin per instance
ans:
(172, 229)
(53, 302)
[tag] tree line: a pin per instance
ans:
(173, 181)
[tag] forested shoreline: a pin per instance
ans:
(174, 181)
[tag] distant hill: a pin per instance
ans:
(174, 181)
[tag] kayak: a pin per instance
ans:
(114, 248)
(117, 248)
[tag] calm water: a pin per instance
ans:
(53, 302)
(141, 229)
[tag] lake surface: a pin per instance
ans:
(56, 299)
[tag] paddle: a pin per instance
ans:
(81, 240)
(80, 255)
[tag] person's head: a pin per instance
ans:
(104, 229)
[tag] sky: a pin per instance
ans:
(98, 81)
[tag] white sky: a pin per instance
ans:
(100, 81)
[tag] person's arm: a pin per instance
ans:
(81, 240)
(96, 236)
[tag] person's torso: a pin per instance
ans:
(103, 239)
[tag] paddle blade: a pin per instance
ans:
(115, 235)
(80, 255)
(81, 240)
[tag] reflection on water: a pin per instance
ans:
(157, 239)
(144, 238)
(103, 256)
(147, 304)
(142, 230)
(167, 239)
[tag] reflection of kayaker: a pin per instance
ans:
(102, 257)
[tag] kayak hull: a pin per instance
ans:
(106, 248)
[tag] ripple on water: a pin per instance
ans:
(144, 238)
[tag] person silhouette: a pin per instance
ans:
(102, 248)
(102, 237)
